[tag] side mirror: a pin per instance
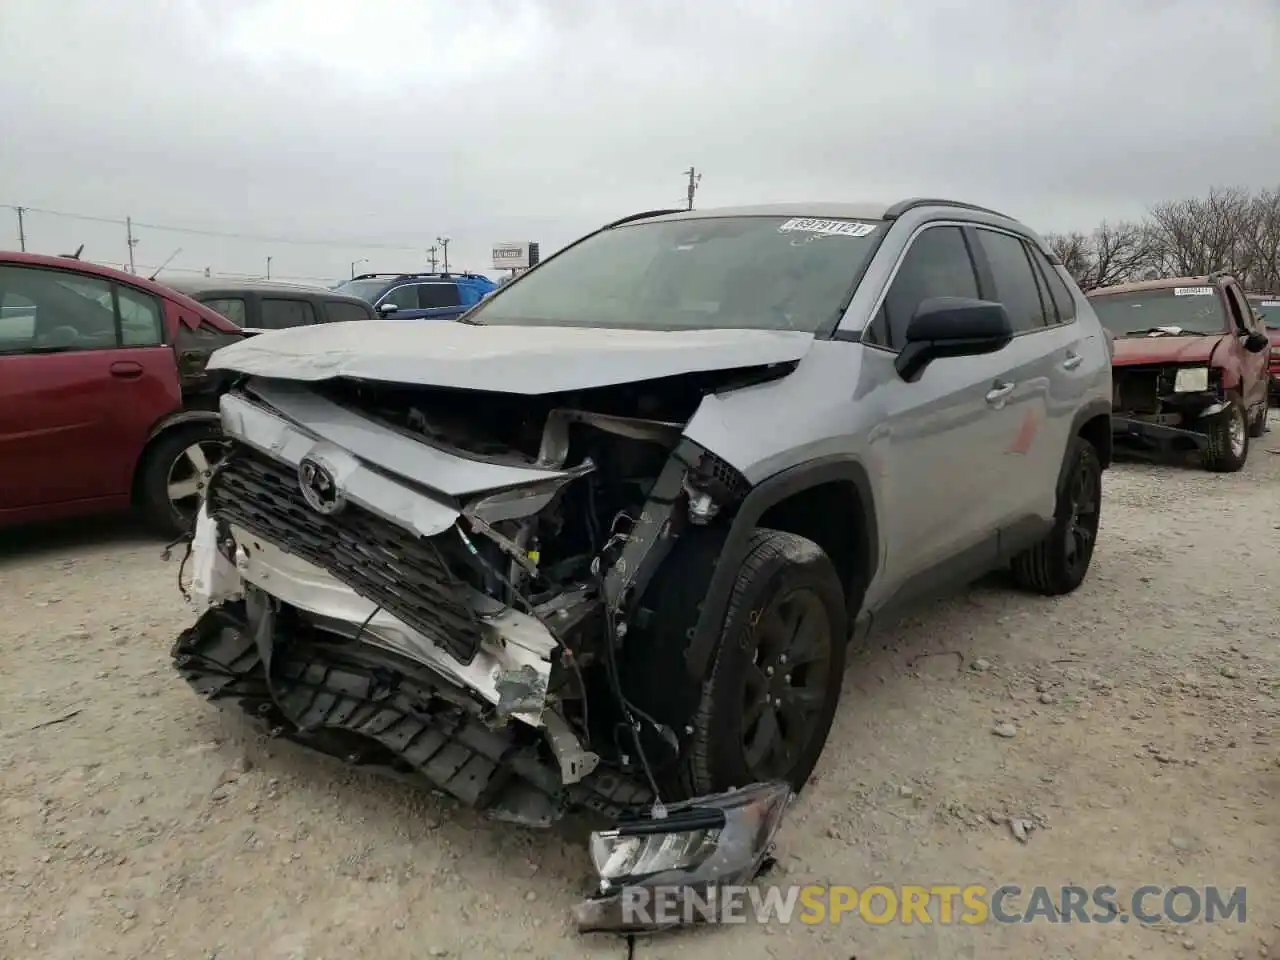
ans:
(952, 327)
(386, 309)
(1256, 342)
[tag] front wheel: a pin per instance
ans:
(768, 704)
(1228, 441)
(175, 475)
(1058, 563)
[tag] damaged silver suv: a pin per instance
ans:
(602, 543)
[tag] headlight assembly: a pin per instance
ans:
(1191, 380)
(701, 844)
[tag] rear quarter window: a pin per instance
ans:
(339, 311)
(279, 313)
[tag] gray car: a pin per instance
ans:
(604, 541)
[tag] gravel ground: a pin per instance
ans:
(1135, 720)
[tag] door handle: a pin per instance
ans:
(998, 392)
(1073, 360)
(126, 369)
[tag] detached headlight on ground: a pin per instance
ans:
(700, 844)
(1191, 380)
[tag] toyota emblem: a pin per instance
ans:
(319, 487)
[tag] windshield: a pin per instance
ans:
(1269, 309)
(1195, 310)
(364, 289)
(774, 273)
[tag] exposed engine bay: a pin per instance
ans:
(444, 582)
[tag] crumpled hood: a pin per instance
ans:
(1161, 349)
(504, 359)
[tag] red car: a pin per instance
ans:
(1190, 366)
(105, 403)
(1267, 306)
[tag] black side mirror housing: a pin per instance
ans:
(952, 327)
(1256, 342)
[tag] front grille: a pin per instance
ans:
(1138, 388)
(402, 573)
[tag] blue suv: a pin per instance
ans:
(419, 296)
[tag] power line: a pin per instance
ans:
(128, 222)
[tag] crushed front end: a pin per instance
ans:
(1167, 406)
(434, 583)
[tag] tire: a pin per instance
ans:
(167, 458)
(782, 576)
(1058, 564)
(1229, 441)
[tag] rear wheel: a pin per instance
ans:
(1058, 563)
(1228, 441)
(175, 475)
(768, 704)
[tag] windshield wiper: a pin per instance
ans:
(1165, 332)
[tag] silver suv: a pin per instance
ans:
(604, 540)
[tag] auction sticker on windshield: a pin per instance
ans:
(1193, 291)
(843, 228)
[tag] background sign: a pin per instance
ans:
(514, 256)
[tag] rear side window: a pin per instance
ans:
(278, 313)
(1016, 285)
(1058, 292)
(432, 295)
(230, 307)
(140, 318)
(937, 264)
(339, 311)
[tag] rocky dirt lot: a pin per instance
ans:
(1128, 728)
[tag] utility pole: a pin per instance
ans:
(354, 263)
(695, 178)
(268, 268)
(431, 257)
(22, 233)
(128, 229)
(444, 244)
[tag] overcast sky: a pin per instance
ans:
(394, 122)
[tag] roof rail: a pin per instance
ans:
(422, 273)
(642, 216)
(902, 206)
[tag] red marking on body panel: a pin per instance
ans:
(1026, 434)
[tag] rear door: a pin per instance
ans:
(84, 375)
(439, 300)
(1046, 368)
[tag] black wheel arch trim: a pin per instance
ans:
(764, 495)
(181, 418)
(1091, 410)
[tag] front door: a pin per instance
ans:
(935, 448)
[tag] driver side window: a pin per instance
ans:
(937, 264)
(405, 297)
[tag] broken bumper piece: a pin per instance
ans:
(658, 873)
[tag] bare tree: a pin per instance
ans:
(1262, 242)
(1203, 235)
(1112, 253)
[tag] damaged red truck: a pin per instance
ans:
(1190, 369)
